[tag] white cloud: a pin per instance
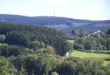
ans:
(32, 1)
(57, 2)
(79, 0)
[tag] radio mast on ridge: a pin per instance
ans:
(53, 12)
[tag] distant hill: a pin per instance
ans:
(59, 23)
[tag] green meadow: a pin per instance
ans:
(106, 63)
(91, 55)
(82, 54)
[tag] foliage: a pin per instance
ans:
(33, 37)
(32, 50)
(4, 66)
(95, 41)
(2, 38)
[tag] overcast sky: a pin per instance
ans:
(79, 9)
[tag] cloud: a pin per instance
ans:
(32, 1)
(62, 2)
(57, 2)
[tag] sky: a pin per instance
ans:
(77, 9)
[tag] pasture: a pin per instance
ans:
(82, 54)
(90, 55)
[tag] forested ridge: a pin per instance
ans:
(35, 50)
(62, 24)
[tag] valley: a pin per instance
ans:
(27, 49)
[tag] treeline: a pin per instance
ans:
(95, 41)
(45, 63)
(31, 50)
(33, 37)
(16, 60)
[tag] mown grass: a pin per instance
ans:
(93, 56)
(106, 63)
(82, 54)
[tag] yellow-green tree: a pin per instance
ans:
(4, 66)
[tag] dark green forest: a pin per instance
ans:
(95, 41)
(35, 50)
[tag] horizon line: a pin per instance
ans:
(53, 16)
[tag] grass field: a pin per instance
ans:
(99, 50)
(82, 54)
(96, 56)
(106, 63)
